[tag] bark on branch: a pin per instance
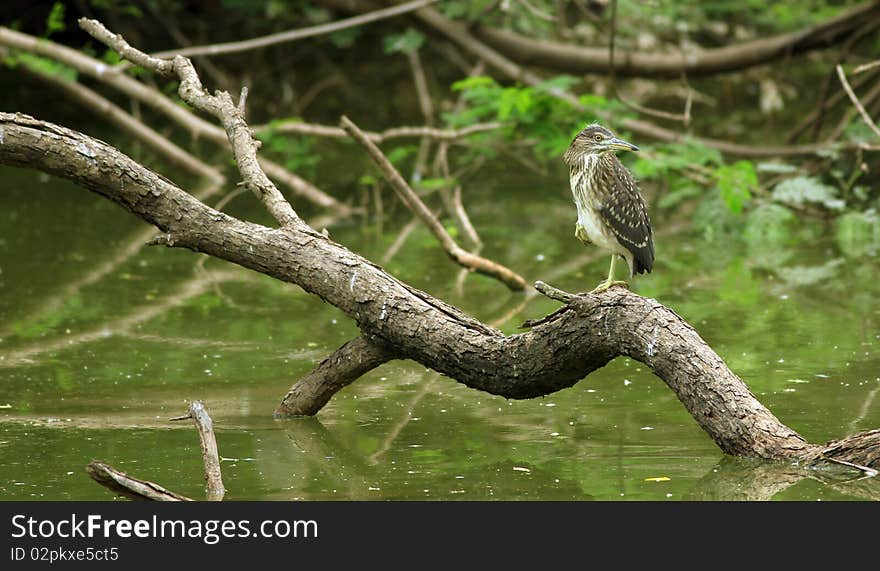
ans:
(346, 365)
(412, 324)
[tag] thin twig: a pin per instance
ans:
(867, 66)
(400, 240)
(554, 293)
(479, 264)
(855, 100)
(426, 105)
(299, 128)
(298, 34)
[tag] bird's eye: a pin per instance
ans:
(598, 138)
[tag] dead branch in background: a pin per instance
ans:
(293, 35)
(220, 105)
(300, 128)
(867, 66)
(814, 117)
(461, 35)
(106, 109)
(581, 60)
(855, 101)
(426, 105)
(464, 258)
(197, 127)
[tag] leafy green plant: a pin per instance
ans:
(805, 190)
(407, 42)
(735, 183)
(55, 19)
(531, 114)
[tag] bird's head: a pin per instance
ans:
(595, 140)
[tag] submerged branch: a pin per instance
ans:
(214, 489)
(130, 487)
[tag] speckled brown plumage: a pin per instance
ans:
(611, 212)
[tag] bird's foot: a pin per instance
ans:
(609, 284)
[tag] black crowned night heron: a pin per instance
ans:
(611, 212)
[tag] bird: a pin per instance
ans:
(611, 213)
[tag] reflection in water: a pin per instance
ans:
(738, 479)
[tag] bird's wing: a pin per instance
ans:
(627, 216)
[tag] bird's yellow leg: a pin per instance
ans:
(610, 281)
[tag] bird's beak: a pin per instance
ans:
(621, 145)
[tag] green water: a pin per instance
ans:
(99, 348)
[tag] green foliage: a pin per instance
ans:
(297, 153)
(530, 114)
(55, 19)
(407, 42)
(769, 234)
(858, 233)
(120, 7)
(345, 38)
(467, 9)
(40, 65)
(669, 158)
(735, 183)
(804, 190)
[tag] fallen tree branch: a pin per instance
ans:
(214, 490)
(346, 365)
(462, 257)
(414, 325)
(130, 487)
